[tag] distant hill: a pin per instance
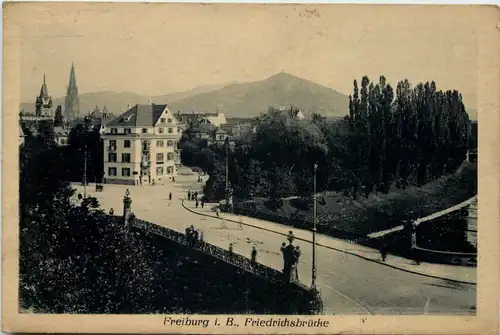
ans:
(237, 100)
(253, 98)
(117, 102)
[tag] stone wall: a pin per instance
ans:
(267, 283)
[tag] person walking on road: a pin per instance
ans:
(254, 255)
(217, 211)
(196, 203)
(189, 194)
(202, 202)
(170, 196)
(383, 252)
(196, 195)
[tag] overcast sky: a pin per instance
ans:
(158, 48)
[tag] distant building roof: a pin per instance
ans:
(139, 116)
(217, 120)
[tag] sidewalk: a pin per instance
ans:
(461, 274)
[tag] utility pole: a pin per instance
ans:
(313, 283)
(85, 173)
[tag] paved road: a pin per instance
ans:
(348, 284)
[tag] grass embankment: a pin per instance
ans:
(141, 273)
(342, 217)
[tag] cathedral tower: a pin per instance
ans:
(43, 102)
(72, 102)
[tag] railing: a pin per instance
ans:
(219, 253)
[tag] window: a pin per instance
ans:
(221, 137)
(159, 171)
(127, 131)
(126, 144)
(170, 170)
(169, 121)
(125, 158)
(114, 131)
(170, 156)
(162, 120)
(144, 130)
(126, 172)
(159, 158)
(170, 130)
(112, 157)
(161, 130)
(112, 145)
(112, 171)
(170, 143)
(159, 144)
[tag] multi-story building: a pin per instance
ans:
(141, 146)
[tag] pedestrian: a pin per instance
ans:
(383, 252)
(283, 252)
(196, 203)
(201, 236)
(230, 249)
(153, 182)
(416, 256)
(296, 256)
(188, 236)
(111, 211)
(170, 196)
(173, 179)
(254, 255)
(196, 195)
(217, 211)
(189, 194)
(202, 202)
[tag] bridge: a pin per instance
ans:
(351, 278)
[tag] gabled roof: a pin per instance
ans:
(139, 116)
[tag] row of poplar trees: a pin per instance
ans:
(409, 137)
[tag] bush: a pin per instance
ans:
(274, 204)
(302, 203)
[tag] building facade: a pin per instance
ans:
(141, 146)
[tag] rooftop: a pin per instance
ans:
(139, 116)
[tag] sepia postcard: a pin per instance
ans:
(250, 168)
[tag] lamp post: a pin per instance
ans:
(313, 283)
(85, 172)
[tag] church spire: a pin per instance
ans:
(72, 103)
